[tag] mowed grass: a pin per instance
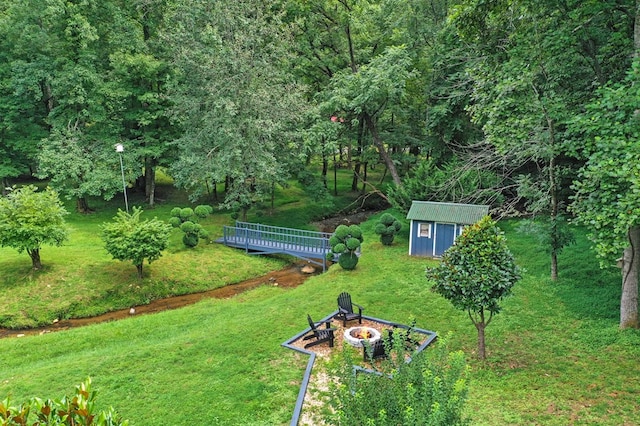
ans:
(80, 278)
(555, 353)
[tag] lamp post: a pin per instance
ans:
(120, 150)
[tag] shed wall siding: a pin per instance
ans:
(420, 246)
(443, 235)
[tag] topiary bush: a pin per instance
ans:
(187, 220)
(345, 245)
(387, 227)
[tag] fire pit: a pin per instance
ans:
(355, 336)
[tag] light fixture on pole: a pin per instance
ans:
(120, 150)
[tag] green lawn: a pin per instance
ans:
(555, 354)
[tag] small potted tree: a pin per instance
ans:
(345, 244)
(387, 227)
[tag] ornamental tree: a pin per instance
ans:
(30, 219)
(187, 220)
(476, 273)
(387, 227)
(129, 238)
(345, 244)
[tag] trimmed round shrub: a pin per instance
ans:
(190, 240)
(353, 244)
(175, 221)
(203, 211)
(341, 232)
(348, 261)
(186, 213)
(188, 227)
(387, 240)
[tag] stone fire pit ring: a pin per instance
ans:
(351, 336)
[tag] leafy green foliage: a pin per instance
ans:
(429, 390)
(129, 238)
(345, 244)
(476, 273)
(186, 219)
(76, 411)
(30, 219)
(387, 227)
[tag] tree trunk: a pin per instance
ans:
(82, 206)
(5, 185)
(139, 268)
(480, 326)
(150, 181)
(630, 268)
(359, 149)
(381, 149)
(35, 258)
(335, 175)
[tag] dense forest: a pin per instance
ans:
(528, 106)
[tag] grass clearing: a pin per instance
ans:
(555, 354)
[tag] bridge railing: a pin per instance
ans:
(254, 234)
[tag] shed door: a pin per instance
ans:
(444, 235)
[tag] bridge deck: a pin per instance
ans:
(256, 238)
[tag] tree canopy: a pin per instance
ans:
(30, 219)
(476, 273)
(129, 238)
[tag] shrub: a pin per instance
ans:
(78, 410)
(345, 244)
(187, 220)
(429, 390)
(387, 227)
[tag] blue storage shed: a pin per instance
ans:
(435, 226)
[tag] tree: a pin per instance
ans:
(476, 273)
(236, 98)
(129, 238)
(531, 75)
(387, 227)
(608, 187)
(30, 219)
(345, 244)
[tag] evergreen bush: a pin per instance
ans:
(387, 227)
(345, 244)
(187, 220)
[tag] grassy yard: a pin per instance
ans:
(555, 354)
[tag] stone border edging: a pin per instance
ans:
(432, 335)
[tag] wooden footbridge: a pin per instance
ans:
(256, 238)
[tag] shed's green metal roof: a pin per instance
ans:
(465, 214)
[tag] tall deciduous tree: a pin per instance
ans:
(608, 187)
(128, 238)
(235, 97)
(476, 273)
(30, 219)
(534, 71)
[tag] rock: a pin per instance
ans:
(308, 269)
(132, 311)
